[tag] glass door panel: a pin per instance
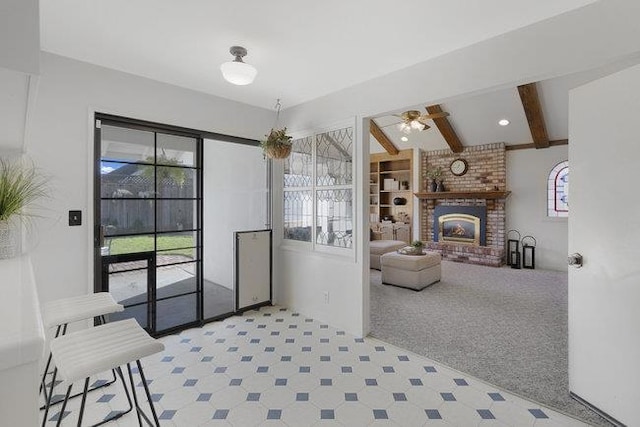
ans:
(237, 200)
(150, 203)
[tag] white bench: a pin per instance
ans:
(61, 312)
(81, 354)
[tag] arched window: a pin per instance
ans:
(558, 191)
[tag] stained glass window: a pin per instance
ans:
(318, 176)
(558, 191)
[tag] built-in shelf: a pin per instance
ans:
(389, 172)
(398, 168)
(463, 195)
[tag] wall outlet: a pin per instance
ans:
(326, 297)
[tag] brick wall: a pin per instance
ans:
(487, 171)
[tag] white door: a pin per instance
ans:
(604, 226)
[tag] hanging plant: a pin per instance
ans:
(278, 143)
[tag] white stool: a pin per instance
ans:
(60, 313)
(80, 355)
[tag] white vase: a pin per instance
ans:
(8, 240)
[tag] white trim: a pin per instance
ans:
(312, 246)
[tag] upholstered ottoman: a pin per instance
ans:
(410, 271)
(380, 247)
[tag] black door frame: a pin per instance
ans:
(130, 123)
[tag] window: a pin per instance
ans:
(558, 191)
(318, 189)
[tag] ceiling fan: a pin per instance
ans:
(414, 120)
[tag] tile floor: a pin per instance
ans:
(277, 367)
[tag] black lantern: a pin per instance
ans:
(529, 252)
(513, 248)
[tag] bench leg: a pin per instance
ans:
(64, 406)
(146, 390)
(48, 404)
(139, 410)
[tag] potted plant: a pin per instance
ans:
(278, 144)
(417, 246)
(20, 185)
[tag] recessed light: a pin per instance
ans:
(503, 122)
(404, 139)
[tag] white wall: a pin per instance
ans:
(60, 140)
(604, 343)
(568, 43)
(527, 173)
(20, 35)
(303, 276)
(235, 199)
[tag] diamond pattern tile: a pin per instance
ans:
(276, 367)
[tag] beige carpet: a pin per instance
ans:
(505, 326)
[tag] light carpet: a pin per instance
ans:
(505, 326)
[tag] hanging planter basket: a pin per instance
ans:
(278, 151)
(277, 145)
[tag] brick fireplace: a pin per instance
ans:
(483, 186)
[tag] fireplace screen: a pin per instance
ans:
(459, 228)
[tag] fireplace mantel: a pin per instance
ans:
(463, 195)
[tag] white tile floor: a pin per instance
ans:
(276, 367)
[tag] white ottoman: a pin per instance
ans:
(380, 247)
(411, 271)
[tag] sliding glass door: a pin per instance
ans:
(148, 250)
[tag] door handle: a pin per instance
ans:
(575, 260)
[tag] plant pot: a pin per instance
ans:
(281, 151)
(8, 241)
(433, 185)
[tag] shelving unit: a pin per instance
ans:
(398, 168)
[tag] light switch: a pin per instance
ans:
(75, 218)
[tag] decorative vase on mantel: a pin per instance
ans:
(440, 186)
(433, 186)
(8, 241)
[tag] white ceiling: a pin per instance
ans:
(302, 50)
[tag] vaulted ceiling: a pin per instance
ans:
(474, 119)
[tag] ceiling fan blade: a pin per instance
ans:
(426, 126)
(434, 115)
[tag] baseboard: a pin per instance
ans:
(254, 306)
(603, 414)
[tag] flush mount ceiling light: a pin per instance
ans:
(237, 71)
(503, 122)
(404, 139)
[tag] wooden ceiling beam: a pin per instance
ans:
(533, 111)
(382, 138)
(446, 129)
(553, 143)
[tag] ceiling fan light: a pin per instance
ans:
(416, 125)
(237, 71)
(404, 128)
